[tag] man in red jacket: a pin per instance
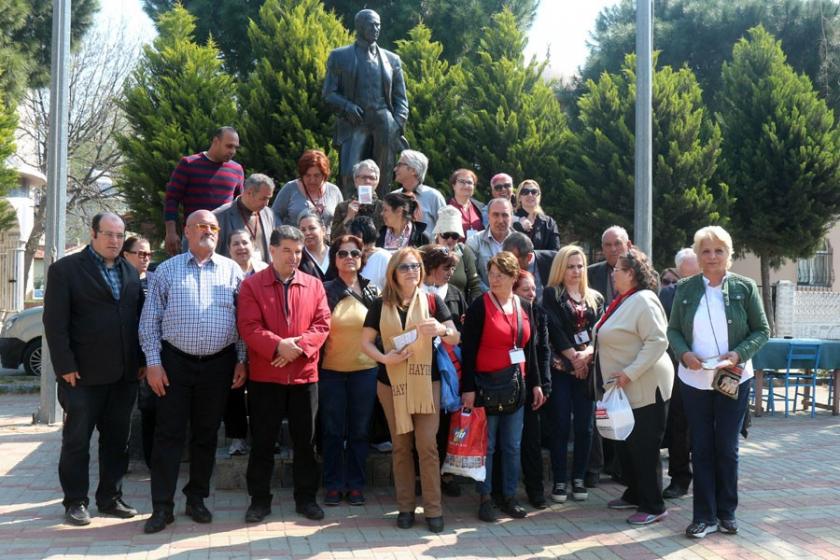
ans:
(284, 319)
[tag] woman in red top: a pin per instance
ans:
(491, 342)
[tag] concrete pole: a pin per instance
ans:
(56, 182)
(643, 218)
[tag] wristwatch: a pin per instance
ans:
(448, 332)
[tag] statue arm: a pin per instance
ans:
(331, 93)
(398, 95)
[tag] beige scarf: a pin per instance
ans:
(411, 380)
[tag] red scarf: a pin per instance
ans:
(613, 306)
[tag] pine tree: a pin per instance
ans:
(781, 155)
(510, 121)
(435, 92)
(283, 112)
(686, 147)
(8, 177)
(177, 96)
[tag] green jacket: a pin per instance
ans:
(748, 330)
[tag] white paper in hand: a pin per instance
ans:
(404, 339)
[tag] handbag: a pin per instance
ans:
(502, 391)
(450, 375)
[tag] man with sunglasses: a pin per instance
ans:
(194, 357)
(91, 309)
(284, 319)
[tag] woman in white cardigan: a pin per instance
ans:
(631, 342)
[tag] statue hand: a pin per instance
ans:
(355, 114)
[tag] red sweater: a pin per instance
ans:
(200, 184)
(264, 317)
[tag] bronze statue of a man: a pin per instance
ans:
(364, 85)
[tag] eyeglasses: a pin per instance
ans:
(140, 254)
(450, 235)
(400, 164)
(528, 192)
(468, 182)
(408, 267)
(502, 186)
(112, 235)
(213, 228)
(373, 178)
(355, 253)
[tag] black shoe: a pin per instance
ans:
(591, 479)
(77, 515)
(257, 512)
(730, 527)
(310, 511)
(118, 508)
(700, 530)
(450, 487)
(537, 501)
(405, 519)
(513, 509)
(158, 521)
(199, 512)
(485, 511)
(435, 524)
(674, 490)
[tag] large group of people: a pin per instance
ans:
(330, 313)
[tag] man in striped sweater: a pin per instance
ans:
(203, 181)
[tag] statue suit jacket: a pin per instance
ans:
(87, 330)
(340, 84)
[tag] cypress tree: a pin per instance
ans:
(174, 100)
(283, 112)
(781, 155)
(686, 145)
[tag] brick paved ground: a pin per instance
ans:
(790, 508)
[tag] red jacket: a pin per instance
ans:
(262, 322)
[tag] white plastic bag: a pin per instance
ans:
(613, 415)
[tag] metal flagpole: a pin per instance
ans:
(643, 218)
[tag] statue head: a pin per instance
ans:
(367, 25)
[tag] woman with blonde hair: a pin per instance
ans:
(572, 308)
(409, 385)
(530, 219)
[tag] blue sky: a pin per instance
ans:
(563, 26)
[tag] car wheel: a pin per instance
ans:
(32, 358)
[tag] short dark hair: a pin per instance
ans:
(220, 132)
(307, 214)
(364, 228)
(285, 232)
(401, 201)
(130, 242)
(639, 266)
(437, 255)
(97, 220)
(519, 242)
(336, 245)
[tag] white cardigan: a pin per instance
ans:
(633, 340)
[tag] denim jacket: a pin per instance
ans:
(747, 325)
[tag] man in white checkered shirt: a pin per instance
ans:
(194, 356)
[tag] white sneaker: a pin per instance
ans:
(579, 491)
(238, 447)
(558, 493)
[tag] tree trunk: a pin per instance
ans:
(767, 294)
(34, 240)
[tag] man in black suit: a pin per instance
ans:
(91, 312)
(614, 243)
(364, 85)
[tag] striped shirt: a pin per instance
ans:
(201, 184)
(192, 307)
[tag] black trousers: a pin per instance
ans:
(108, 409)
(236, 415)
(678, 439)
(268, 403)
(197, 394)
(639, 457)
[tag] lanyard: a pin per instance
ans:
(613, 306)
(246, 219)
(514, 326)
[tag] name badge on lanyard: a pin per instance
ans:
(517, 356)
(581, 337)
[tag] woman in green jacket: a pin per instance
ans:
(717, 321)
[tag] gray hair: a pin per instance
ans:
(619, 231)
(519, 244)
(366, 164)
(417, 162)
(256, 180)
(497, 200)
(282, 233)
(682, 254)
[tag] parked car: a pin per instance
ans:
(20, 341)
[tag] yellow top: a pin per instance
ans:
(343, 349)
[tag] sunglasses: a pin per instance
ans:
(355, 253)
(450, 235)
(501, 186)
(213, 228)
(141, 254)
(528, 192)
(408, 267)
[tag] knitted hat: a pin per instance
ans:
(449, 220)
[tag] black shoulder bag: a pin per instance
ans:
(502, 391)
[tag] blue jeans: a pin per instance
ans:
(715, 423)
(346, 406)
(569, 398)
(504, 431)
